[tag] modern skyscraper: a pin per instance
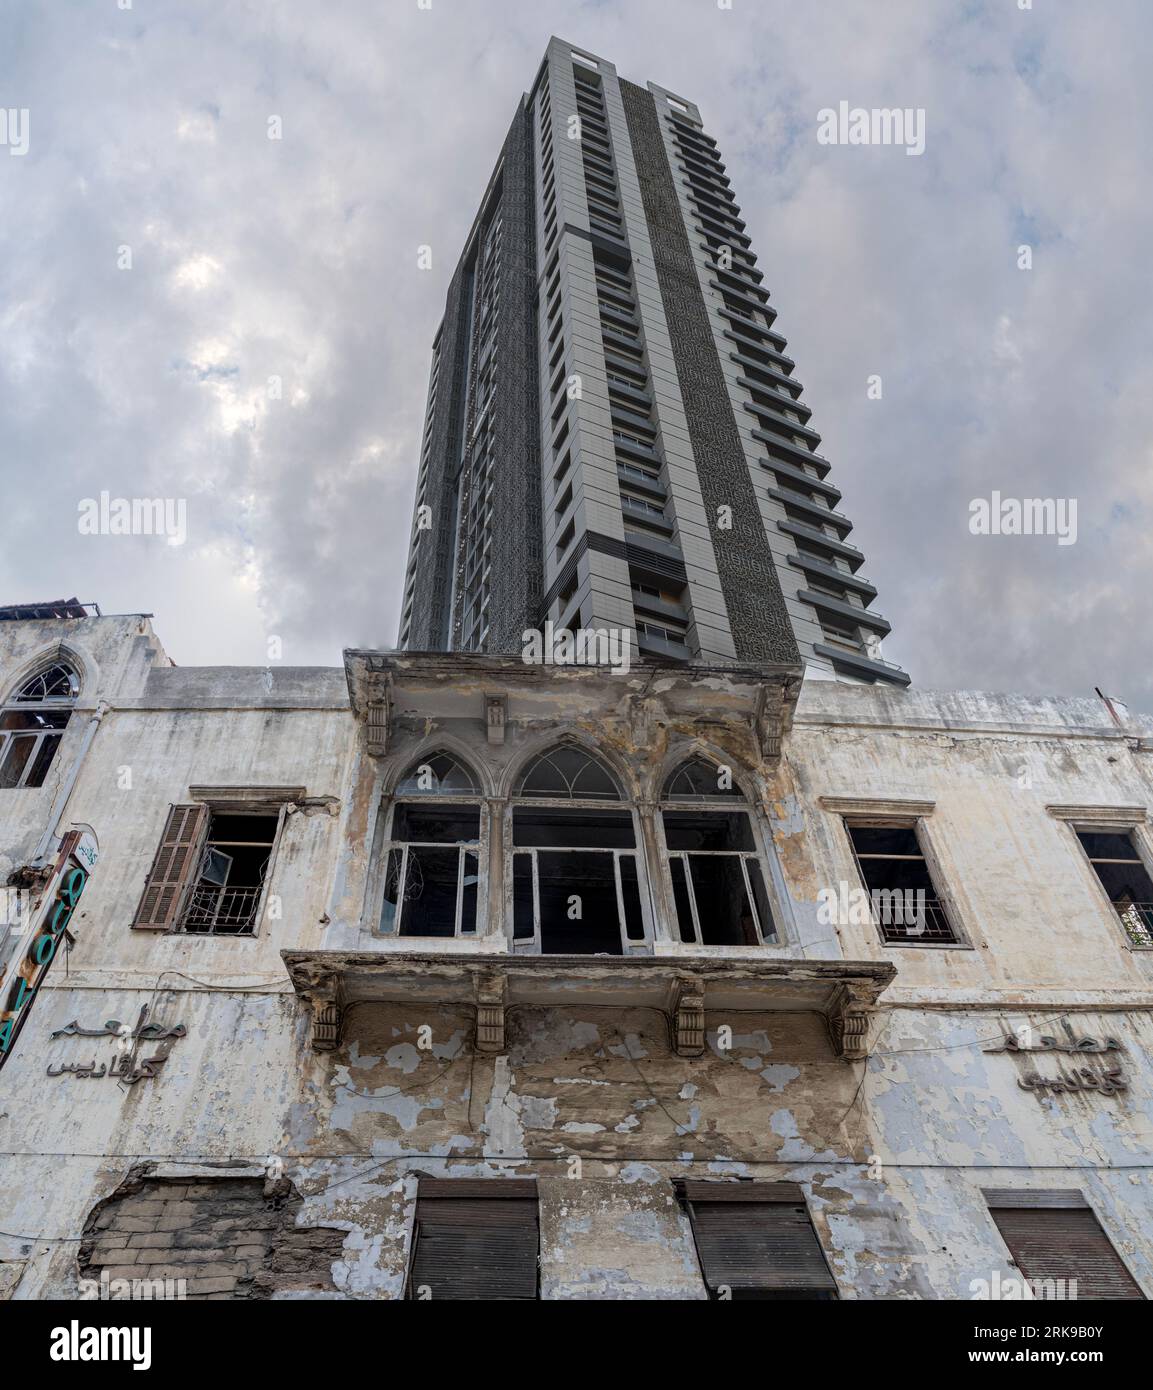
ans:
(614, 435)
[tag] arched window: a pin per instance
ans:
(568, 774)
(575, 869)
(32, 724)
(438, 775)
(432, 855)
(698, 780)
(717, 875)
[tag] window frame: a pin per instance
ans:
(226, 808)
(735, 800)
(642, 945)
(1138, 835)
(13, 704)
(887, 820)
(478, 847)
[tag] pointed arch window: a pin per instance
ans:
(433, 851)
(568, 774)
(32, 723)
(576, 872)
(438, 775)
(718, 876)
(699, 780)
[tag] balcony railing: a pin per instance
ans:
(227, 911)
(1137, 919)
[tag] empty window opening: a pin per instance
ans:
(756, 1241)
(475, 1239)
(718, 886)
(1125, 878)
(432, 870)
(576, 881)
(32, 725)
(227, 884)
(894, 871)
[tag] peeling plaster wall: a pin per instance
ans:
(892, 1154)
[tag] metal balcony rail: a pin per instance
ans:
(230, 911)
(1137, 919)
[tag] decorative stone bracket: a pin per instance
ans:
(327, 1019)
(850, 1021)
(491, 997)
(689, 1020)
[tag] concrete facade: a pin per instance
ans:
(313, 1070)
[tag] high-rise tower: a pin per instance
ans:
(614, 435)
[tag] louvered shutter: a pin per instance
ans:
(174, 863)
(756, 1236)
(1065, 1243)
(475, 1239)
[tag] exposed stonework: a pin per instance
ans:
(225, 1237)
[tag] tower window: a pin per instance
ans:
(32, 724)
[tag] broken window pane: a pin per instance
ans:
(432, 870)
(31, 725)
(392, 881)
(229, 881)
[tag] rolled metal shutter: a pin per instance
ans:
(756, 1236)
(1065, 1243)
(475, 1239)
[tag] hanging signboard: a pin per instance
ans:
(74, 864)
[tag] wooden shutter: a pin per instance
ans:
(756, 1236)
(174, 863)
(475, 1239)
(1065, 1243)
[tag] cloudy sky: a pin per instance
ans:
(296, 258)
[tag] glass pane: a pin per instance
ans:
(761, 898)
(16, 755)
(568, 773)
(578, 904)
(391, 903)
(523, 928)
(711, 830)
(698, 778)
(631, 893)
(57, 682)
(681, 898)
(437, 825)
(439, 774)
(722, 901)
(559, 827)
(469, 890)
